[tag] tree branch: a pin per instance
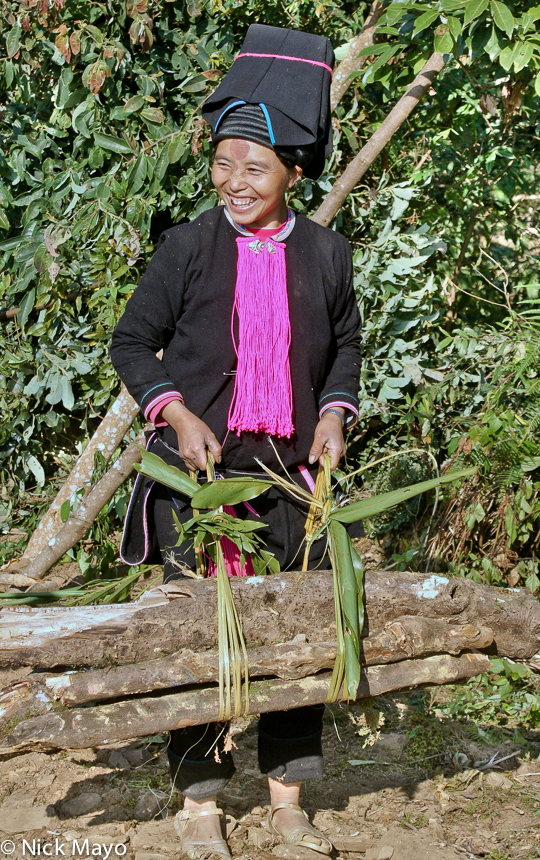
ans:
(367, 155)
(352, 62)
(75, 528)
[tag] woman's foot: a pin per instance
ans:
(287, 820)
(198, 826)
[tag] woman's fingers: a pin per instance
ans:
(213, 446)
(195, 439)
(328, 439)
(194, 453)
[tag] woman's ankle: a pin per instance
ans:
(283, 792)
(203, 803)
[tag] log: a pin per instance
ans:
(272, 609)
(92, 726)
(402, 639)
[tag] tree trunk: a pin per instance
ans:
(92, 726)
(78, 523)
(367, 155)
(106, 439)
(351, 62)
(272, 609)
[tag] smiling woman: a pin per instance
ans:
(254, 309)
(252, 182)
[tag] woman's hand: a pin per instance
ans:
(195, 438)
(328, 439)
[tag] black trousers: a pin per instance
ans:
(289, 744)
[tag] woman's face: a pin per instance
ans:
(252, 182)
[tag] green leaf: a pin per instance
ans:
(26, 306)
(348, 594)
(524, 56)
(503, 17)
(454, 25)
(374, 50)
(358, 567)
(68, 400)
(474, 8)
(137, 174)
(13, 40)
(37, 469)
(114, 144)
(506, 58)
(134, 103)
(176, 149)
(425, 20)
(493, 45)
(9, 72)
(154, 115)
(376, 504)
(4, 223)
(443, 43)
(42, 259)
(230, 491)
(537, 84)
(532, 582)
(65, 510)
(154, 467)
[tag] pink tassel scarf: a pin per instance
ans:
(262, 398)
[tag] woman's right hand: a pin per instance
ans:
(195, 438)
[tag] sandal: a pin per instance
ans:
(210, 848)
(301, 834)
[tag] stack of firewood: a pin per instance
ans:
(109, 673)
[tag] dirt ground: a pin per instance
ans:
(420, 791)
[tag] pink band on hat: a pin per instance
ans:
(283, 57)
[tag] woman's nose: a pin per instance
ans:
(237, 181)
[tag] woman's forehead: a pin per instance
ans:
(240, 149)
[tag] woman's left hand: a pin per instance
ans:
(328, 439)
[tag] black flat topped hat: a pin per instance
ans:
(287, 75)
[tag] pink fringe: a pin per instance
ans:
(262, 398)
(231, 554)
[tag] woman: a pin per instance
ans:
(255, 312)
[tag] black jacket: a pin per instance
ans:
(184, 303)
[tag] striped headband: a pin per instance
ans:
(283, 57)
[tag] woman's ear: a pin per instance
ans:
(294, 175)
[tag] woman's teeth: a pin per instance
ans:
(242, 203)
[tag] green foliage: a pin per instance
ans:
(103, 147)
(507, 695)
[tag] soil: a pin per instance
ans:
(419, 790)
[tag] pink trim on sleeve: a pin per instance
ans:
(154, 408)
